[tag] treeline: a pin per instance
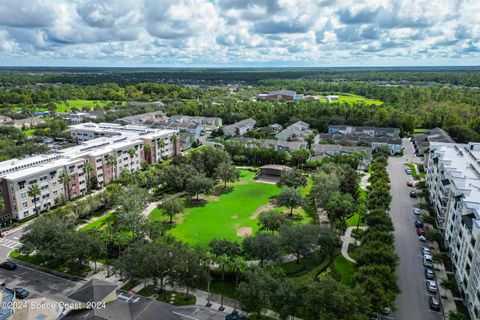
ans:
(14, 144)
(376, 255)
(466, 76)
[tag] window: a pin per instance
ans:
(43, 178)
(25, 213)
(24, 204)
(33, 181)
(45, 196)
(44, 187)
(473, 241)
(23, 194)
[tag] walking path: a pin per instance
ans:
(152, 205)
(346, 240)
(364, 182)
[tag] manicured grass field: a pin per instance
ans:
(224, 216)
(345, 269)
(79, 104)
(99, 223)
(353, 98)
(353, 220)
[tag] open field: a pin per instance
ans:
(66, 106)
(353, 98)
(345, 269)
(230, 215)
(99, 223)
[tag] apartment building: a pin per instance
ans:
(453, 182)
(107, 147)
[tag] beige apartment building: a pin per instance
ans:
(105, 146)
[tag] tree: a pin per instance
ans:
(131, 153)
(255, 291)
(197, 184)
(455, 315)
(272, 220)
(96, 245)
(65, 179)
(171, 207)
(299, 157)
(226, 171)
(129, 215)
(262, 246)
(176, 177)
(112, 163)
(192, 267)
(87, 170)
(329, 299)
(338, 207)
(161, 144)
(237, 265)
(223, 251)
(324, 185)
(328, 241)
(309, 139)
(377, 253)
(300, 240)
(34, 192)
(291, 198)
(379, 284)
(434, 235)
(292, 178)
(286, 298)
(2, 204)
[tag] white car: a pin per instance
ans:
(422, 238)
(431, 286)
(426, 251)
(416, 211)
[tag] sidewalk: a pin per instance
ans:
(346, 240)
(152, 205)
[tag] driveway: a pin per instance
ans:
(412, 302)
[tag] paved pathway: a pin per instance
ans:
(364, 182)
(346, 240)
(146, 212)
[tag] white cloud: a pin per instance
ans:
(238, 32)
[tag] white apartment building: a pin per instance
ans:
(453, 182)
(105, 146)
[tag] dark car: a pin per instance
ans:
(418, 224)
(235, 316)
(421, 231)
(409, 183)
(413, 194)
(434, 303)
(429, 274)
(9, 265)
(21, 293)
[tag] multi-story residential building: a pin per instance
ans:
(421, 141)
(107, 147)
(453, 182)
(239, 128)
(297, 131)
(394, 145)
(369, 131)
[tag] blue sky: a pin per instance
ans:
(239, 32)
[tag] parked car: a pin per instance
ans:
(416, 211)
(235, 316)
(421, 231)
(428, 263)
(434, 303)
(21, 293)
(386, 311)
(9, 265)
(410, 183)
(422, 238)
(408, 171)
(426, 251)
(431, 286)
(429, 274)
(413, 194)
(418, 224)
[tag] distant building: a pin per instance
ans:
(5, 120)
(297, 131)
(320, 150)
(278, 145)
(369, 131)
(275, 128)
(29, 122)
(394, 145)
(239, 128)
(283, 95)
(332, 98)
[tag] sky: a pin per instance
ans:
(239, 33)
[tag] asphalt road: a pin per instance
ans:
(412, 302)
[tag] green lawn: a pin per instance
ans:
(29, 132)
(345, 269)
(79, 104)
(353, 98)
(99, 223)
(353, 221)
(223, 216)
(420, 130)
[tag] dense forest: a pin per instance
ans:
(461, 76)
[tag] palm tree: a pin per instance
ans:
(161, 144)
(65, 179)
(87, 169)
(237, 266)
(147, 149)
(131, 152)
(112, 162)
(34, 192)
(173, 139)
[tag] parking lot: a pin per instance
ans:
(413, 301)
